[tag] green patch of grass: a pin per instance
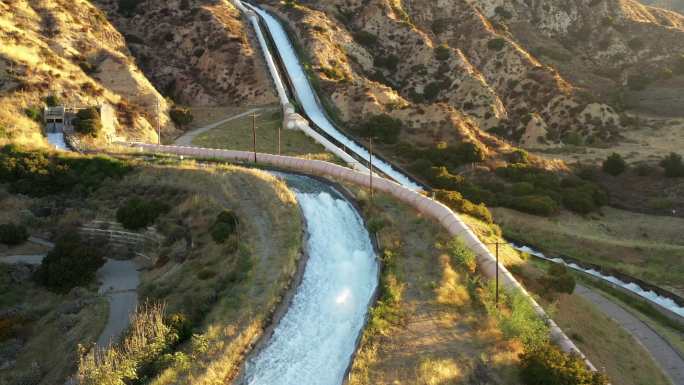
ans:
(237, 135)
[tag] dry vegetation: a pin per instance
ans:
(229, 293)
(645, 246)
(438, 334)
(44, 328)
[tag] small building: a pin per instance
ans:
(55, 118)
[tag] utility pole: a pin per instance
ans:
(497, 270)
(370, 166)
(158, 122)
(279, 135)
(254, 116)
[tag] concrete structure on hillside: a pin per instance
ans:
(59, 119)
(54, 119)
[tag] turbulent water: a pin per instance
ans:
(307, 97)
(314, 341)
(665, 302)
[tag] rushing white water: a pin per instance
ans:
(314, 341)
(307, 97)
(633, 287)
(56, 139)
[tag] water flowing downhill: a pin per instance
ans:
(316, 338)
(311, 105)
(649, 295)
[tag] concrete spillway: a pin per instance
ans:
(316, 338)
(310, 103)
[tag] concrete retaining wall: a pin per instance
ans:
(429, 207)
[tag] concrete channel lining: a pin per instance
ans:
(439, 212)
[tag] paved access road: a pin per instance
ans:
(663, 354)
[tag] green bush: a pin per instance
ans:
(455, 201)
(519, 321)
(128, 8)
(34, 114)
(88, 122)
(365, 38)
(12, 234)
(496, 44)
(614, 164)
(225, 225)
(442, 52)
(535, 204)
(558, 279)
(382, 127)
(137, 214)
(462, 255)
(390, 62)
(522, 188)
(181, 116)
(502, 12)
(578, 201)
(673, 165)
(52, 101)
(432, 90)
(547, 365)
(440, 25)
(70, 264)
(37, 174)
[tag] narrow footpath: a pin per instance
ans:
(662, 352)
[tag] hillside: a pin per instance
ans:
(673, 5)
(71, 51)
(534, 74)
(198, 52)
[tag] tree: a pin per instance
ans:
(614, 164)
(442, 52)
(181, 116)
(88, 122)
(673, 165)
(558, 279)
(136, 213)
(70, 264)
(225, 225)
(12, 234)
(548, 365)
(383, 127)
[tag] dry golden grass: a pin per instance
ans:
(607, 345)
(438, 372)
(433, 343)
(451, 290)
(270, 232)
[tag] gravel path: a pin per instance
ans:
(187, 138)
(664, 355)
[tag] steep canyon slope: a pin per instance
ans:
(534, 73)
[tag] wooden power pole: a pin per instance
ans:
(254, 116)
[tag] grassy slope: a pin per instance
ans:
(237, 135)
(434, 342)
(608, 347)
(270, 231)
(645, 246)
